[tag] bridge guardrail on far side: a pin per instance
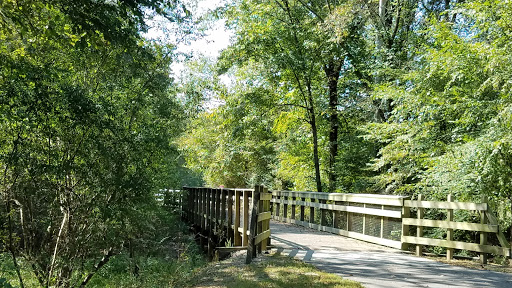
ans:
(388, 220)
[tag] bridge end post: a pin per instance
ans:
(406, 213)
(253, 225)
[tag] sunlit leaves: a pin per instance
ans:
(447, 133)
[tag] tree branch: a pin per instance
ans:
(98, 266)
(310, 9)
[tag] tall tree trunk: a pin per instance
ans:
(332, 72)
(379, 112)
(314, 131)
(316, 158)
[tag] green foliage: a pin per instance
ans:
(86, 113)
(449, 132)
(232, 145)
(4, 283)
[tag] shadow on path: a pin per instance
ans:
(375, 266)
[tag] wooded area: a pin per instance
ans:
(403, 97)
(382, 97)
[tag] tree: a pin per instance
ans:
(293, 40)
(85, 114)
(449, 130)
(232, 144)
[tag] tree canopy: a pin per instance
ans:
(400, 97)
(394, 97)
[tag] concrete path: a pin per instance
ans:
(375, 266)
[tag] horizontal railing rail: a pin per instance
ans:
(241, 217)
(488, 224)
(368, 217)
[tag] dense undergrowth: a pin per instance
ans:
(165, 256)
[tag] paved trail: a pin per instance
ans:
(376, 266)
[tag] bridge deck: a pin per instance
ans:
(376, 266)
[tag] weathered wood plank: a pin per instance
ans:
(419, 229)
(262, 236)
(446, 205)
(266, 223)
(264, 216)
(231, 249)
(334, 207)
(457, 245)
(236, 228)
(245, 211)
(493, 221)
(253, 223)
(266, 196)
(450, 225)
(389, 200)
(449, 232)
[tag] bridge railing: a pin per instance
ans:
(390, 220)
(224, 216)
(487, 226)
(230, 217)
(368, 217)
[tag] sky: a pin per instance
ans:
(216, 36)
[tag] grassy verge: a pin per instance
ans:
(266, 271)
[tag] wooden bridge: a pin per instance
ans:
(230, 219)
(223, 215)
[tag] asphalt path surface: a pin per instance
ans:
(376, 266)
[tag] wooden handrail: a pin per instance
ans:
(380, 219)
(224, 215)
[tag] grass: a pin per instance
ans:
(266, 271)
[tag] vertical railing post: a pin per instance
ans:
(190, 204)
(336, 216)
(419, 229)
(349, 221)
(203, 209)
(364, 221)
(382, 224)
(259, 224)
(223, 211)
(198, 207)
(184, 208)
(302, 210)
(483, 235)
(266, 225)
(406, 213)
(294, 208)
(210, 219)
(251, 249)
(217, 208)
(238, 237)
(245, 210)
(323, 218)
(449, 232)
(230, 232)
(312, 212)
(192, 195)
(278, 207)
(285, 207)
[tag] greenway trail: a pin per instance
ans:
(376, 266)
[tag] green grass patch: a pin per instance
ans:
(269, 272)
